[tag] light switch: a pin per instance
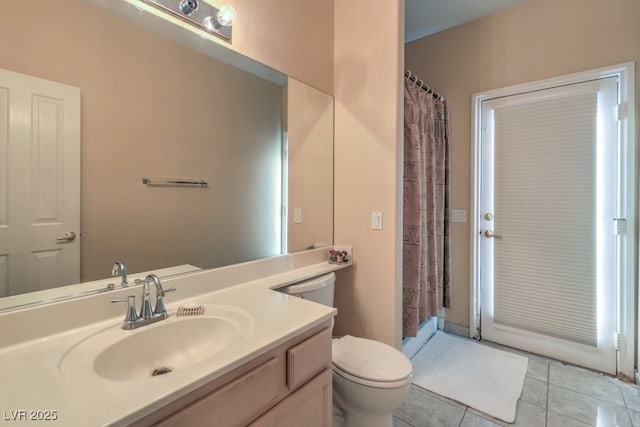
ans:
(297, 216)
(458, 215)
(376, 220)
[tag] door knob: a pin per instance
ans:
(491, 234)
(68, 237)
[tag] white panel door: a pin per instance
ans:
(548, 201)
(39, 184)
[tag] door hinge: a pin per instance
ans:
(619, 225)
(621, 112)
(618, 338)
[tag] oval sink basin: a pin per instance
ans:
(160, 348)
(165, 348)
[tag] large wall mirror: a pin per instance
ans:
(147, 105)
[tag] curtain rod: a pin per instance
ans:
(413, 78)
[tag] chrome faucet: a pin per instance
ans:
(159, 309)
(147, 314)
(120, 269)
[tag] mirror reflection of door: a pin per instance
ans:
(40, 157)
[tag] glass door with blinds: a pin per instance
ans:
(549, 203)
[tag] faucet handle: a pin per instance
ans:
(165, 291)
(132, 315)
(160, 309)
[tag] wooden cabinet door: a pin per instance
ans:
(309, 406)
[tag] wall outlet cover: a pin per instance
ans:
(458, 215)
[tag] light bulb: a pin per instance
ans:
(210, 23)
(226, 15)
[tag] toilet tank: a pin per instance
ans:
(319, 289)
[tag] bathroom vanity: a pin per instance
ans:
(254, 356)
(289, 385)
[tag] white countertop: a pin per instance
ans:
(32, 379)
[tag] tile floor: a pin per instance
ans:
(554, 395)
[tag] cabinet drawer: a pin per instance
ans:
(306, 359)
(236, 403)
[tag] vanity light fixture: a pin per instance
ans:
(218, 22)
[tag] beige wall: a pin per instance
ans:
(533, 40)
(155, 108)
(368, 140)
(294, 37)
(310, 164)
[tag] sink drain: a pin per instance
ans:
(161, 371)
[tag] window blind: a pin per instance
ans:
(547, 219)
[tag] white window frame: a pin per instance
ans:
(627, 133)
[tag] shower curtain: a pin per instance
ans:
(426, 240)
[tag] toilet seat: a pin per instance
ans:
(369, 383)
(370, 362)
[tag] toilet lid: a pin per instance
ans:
(370, 360)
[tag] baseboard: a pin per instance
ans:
(410, 346)
(454, 329)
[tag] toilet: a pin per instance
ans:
(370, 378)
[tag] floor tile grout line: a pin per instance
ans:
(440, 397)
(464, 414)
(402, 419)
(546, 409)
(618, 386)
(624, 399)
(591, 396)
(549, 392)
(576, 419)
(570, 417)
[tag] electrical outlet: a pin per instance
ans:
(458, 215)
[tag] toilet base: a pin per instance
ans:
(338, 418)
(365, 406)
(341, 419)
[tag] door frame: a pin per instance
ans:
(626, 323)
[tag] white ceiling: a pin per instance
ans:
(425, 17)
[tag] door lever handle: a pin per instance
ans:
(68, 237)
(490, 234)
